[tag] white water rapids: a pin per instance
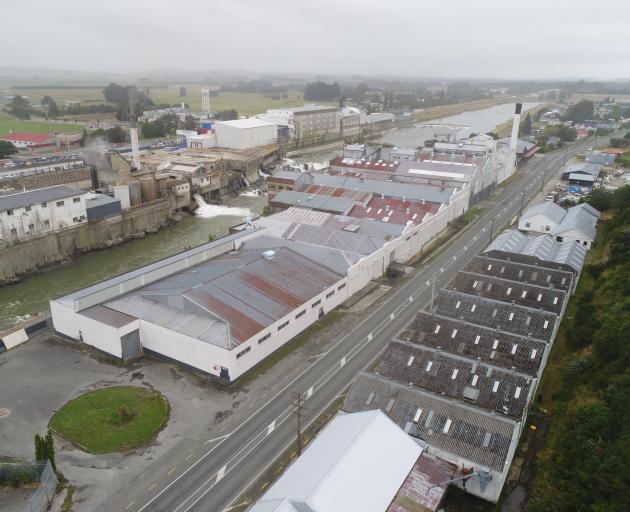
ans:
(207, 211)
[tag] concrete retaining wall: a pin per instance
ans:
(41, 251)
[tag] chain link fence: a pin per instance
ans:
(16, 474)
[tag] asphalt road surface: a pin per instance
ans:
(214, 478)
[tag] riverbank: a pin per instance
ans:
(25, 299)
(41, 252)
(433, 113)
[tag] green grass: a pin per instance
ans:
(244, 103)
(8, 123)
(93, 421)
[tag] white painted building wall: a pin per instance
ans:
(574, 235)
(41, 218)
(245, 133)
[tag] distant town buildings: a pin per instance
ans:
(308, 124)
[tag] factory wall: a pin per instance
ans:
(47, 249)
(244, 138)
(92, 332)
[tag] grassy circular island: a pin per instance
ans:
(112, 419)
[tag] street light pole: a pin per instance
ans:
(491, 228)
(520, 212)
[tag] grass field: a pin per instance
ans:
(112, 419)
(243, 103)
(8, 123)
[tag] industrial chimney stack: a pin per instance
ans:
(515, 126)
(135, 147)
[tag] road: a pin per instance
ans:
(213, 479)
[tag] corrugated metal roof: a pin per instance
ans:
(549, 209)
(469, 426)
(21, 199)
(108, 316)
(542, 247)
(415, 192)
(304, 200)
(228, 299)
(357, 463)
(578, 218)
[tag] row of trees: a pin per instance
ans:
(322, 91)
(45, 448)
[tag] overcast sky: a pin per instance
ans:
(448, 38)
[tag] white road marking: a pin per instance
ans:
(271, 427)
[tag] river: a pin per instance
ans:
(20, 301)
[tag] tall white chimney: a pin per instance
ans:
(515, 126)
(135, 147)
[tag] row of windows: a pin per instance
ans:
(45, 205)
(282, 326)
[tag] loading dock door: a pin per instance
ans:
(130, 344)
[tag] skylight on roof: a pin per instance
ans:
(416, 417)
(533, 355)
(447, 426)
(454, 333)
(429, 366)
(495, 386)
(437, 329)
(474, 380)
(546, 324)
(495, 344)
(477, 338)
(517, 392)
(514, 348)
(473, 307)
(454, 374)
(410, 362)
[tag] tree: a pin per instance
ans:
(20, 108)
(40, 448)
(322, 91)
(226, 115)
(526, 129)
(50, 449)
(581, 111)
(182, 92)
(7, 149)
(52, 107)
(190, 123)
(170, 122)
(116, 135)
(126, 97)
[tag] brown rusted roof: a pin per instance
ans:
(108, 316)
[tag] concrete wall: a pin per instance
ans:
(243, 138)
(538, 223)
(40, 251)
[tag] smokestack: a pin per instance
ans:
(515, 126)
(135, 147)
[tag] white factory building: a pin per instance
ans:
(220, 308)
(225, 306)
(237, 134)
(34, 212)
(245, 133)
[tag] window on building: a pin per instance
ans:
(9, 212)
(280, 327)
(13, 231)
(27, 208)
(303, 312)
(44, 205)
(76, 199)
(528, 224)
(31, 227)
(243, 352)
(316, 303)
(547, 228)
(341, 286)
(330, 294)
(60, 203)
(47, 223)
(264, 338)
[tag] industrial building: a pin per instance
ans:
(577, 224)
(245, 133)
(460, 379)
(222, 307)
(27, 140)
(36, 212)
(308, 124)
(360, 461)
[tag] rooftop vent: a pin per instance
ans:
(269, 255)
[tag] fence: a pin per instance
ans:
(17, 474)
(42, 497)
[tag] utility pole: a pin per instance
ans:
(564, 161)
(299, 407)
(543, 180)
(520, 211)
(491, 228)
(432, 292)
